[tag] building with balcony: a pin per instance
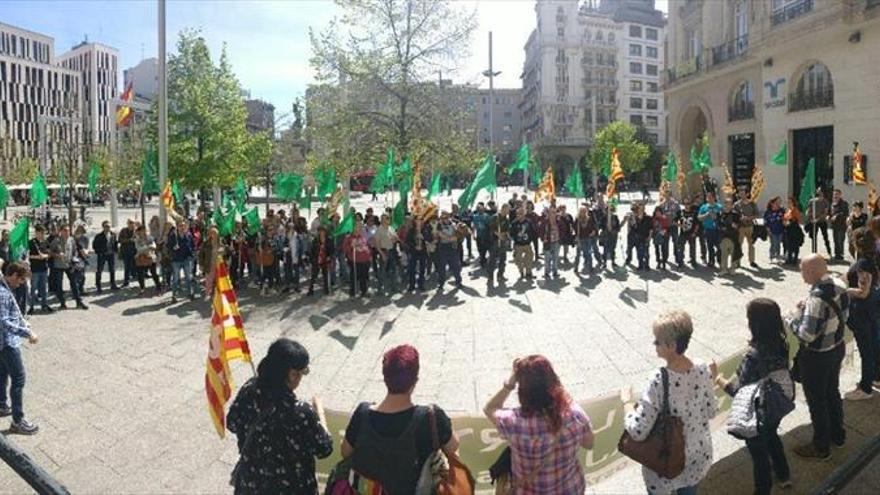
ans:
(588, 64)
(755, 75)
(40, 104)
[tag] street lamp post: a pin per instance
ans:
(490, 73)
(163, 111)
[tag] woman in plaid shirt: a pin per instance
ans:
(545, 433)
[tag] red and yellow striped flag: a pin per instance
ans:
(124, 113)
(616, 168)
(168, 197)
(227, 342)
(858, 170)
(546, 189)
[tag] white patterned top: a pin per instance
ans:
(692, 398)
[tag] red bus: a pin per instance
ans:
(360, 181)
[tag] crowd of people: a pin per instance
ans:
(389, 442)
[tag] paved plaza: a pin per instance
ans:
(118, 390)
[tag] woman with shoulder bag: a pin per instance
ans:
(862, 280)
(279, 436)
(145, 259)
(389, 443)
(767, 353)
(545, 433)
(685, 389)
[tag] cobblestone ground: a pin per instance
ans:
(118, 390)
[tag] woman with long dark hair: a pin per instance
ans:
(545, 433)
(864, 299)
(775, 228)
(279, 436)
(768, 352)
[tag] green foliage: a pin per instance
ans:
(634, 153)
(208, 141)
(23, 173)
(377, 68)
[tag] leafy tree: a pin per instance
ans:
(377, 66)
(208, 141)
(623, 136)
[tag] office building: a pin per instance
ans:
(40, 105)
(98, 66)
(754, 75)
(587, 65)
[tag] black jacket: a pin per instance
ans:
(101, 246)
(329, 250)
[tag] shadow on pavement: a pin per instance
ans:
(733, 474)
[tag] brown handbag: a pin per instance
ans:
(454, 478)
(663, 450)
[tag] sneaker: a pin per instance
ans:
(47, 309)
(81, 306)
(811, 452)
(173, 299)
(5, 411)
(23, 427)
(857, 394)
(754, 265)
(30, 311)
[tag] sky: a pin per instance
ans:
(267, 40)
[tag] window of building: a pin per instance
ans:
(635, 31)
(653, 137)
(814, 89)
(651, 120)
(635, 102)
(635, 85)
(693, 46)
(651, 70)
(742, 105)
(635, 50)
(635, 68)
(651, 104)
(611, 37)
(560, 32)
(651, 34)
(653, 87)
(651, 51)
(635, 119)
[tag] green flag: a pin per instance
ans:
(325, 178)
(575, 183)
(252, 217)
(149, 174)
(305, 200)
(240, 191)
(403, 175)
(93, 180)
(781, 156)
(435, 188)
(695, 161)
(288, 187)
(39, 192)
(228, 205)
(485, 179)
(177, 192)
(670, 171)
(4, 195)
(808, 185)
(18, 238)
(384, 175)
(225, 223)
(448, 185)
(522, 160)
(536, 174)
(346, 226)
(705, 159)
(399, 213)
(605, 166)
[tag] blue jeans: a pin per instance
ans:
(448, 258)
(713, 241)
(186, 266)
(12, 368)
(386, 272)
(775, 244)
(39, 285)
(416, 266)
(586, 248)
(551, 263)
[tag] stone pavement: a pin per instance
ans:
(118, 390)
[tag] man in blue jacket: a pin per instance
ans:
(13, 328)
(182, 248)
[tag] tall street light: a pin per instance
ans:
(490, 73)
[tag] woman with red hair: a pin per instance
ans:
(389, 442)
(545, 433)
